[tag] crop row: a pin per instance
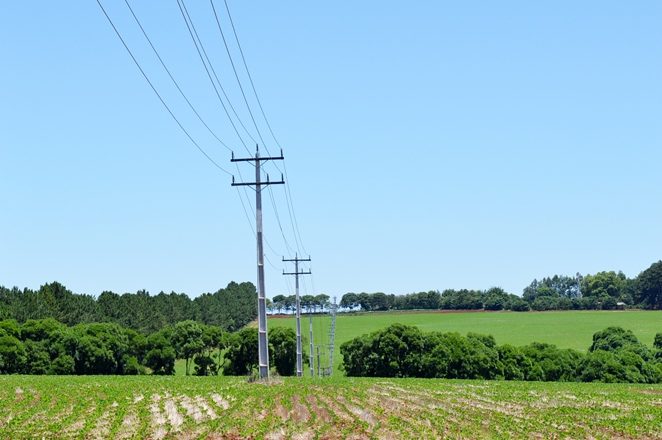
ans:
(220, 407)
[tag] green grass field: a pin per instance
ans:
(230, 408)
(566, 329)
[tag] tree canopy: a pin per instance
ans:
(229, 308)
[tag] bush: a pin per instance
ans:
(519, 305)
(404, 351)
(63, 364)
(12, 355)
(131, 366)
(160, 357)
(617, 339)
(205, 365)
(552, 364)
(283, 350)
(657, 342)
(37, 359)
(515, 364)
(242, 353)
(602, 366)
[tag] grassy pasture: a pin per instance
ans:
(566, 329)
(223, 407)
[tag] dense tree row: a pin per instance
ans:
(230, 308)
(47, 346)
(309, 303)
(602, 291)
(405, 351)
(492, 299)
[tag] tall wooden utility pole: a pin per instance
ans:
(296, 274)
(262, 342)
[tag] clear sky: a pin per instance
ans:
(428, 144)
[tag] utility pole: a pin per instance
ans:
(263, 347)
(310, 322)
(296, 274)
(332, 335)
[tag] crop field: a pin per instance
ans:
(566, 329)
(221, 407)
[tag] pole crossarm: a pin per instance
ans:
(257, 157)
(296, 259)
(278, 182)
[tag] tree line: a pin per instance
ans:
(616, 355)
(46, 346)
(230, 308)
(601, 291)
(309, 303)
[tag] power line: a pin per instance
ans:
(172, 78)
(163, 64)
(288, 192)
(248, 72)
(209, 66)
(280, 226)
(157, 93)
(234, 69)
(243, 205)
(290, 209)
(203, 55)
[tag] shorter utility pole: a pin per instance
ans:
(262, 341)
(296, 274)
(319, 374)
(332, 334)
(310, 322)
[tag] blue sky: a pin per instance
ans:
(429, 145)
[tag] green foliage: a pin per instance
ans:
(550, 363)
(607, 287)
(187, 341)
(131, 366)
(10, 327)
(99, 348)
(496, 299)
(491, 299)
(614, 339)
(657, 342)
(616, 355)
(649, 286)
(242, 353)
(283, 350)
(38, 360)
(230, 308)
(205, 365)
(12, 354)
(518, 305)
(516, 365)
(404, 351)
(160, 356)
(63, 364)
(556, 286)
